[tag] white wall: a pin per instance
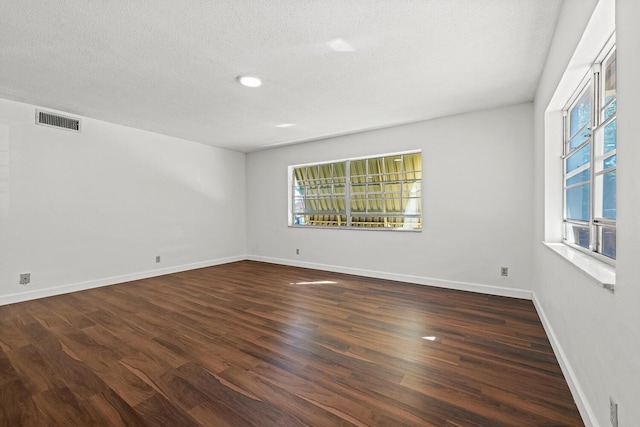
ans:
(477, 205)
(82, 210)
(596, 333)
(624, 315)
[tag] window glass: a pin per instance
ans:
(358, 170)
(610, 91)
(374, 166)
(609, 195)
(578, 158)
(611, 109)
(583, 176)
(578, 235)
(411, 206)
(577, 201)
(317, 193)
(610, 136)
(609, 162)
(608, 239)
(590, 165)
(579, 118)
(376, 192)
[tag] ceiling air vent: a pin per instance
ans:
(46, 118)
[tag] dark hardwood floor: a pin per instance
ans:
(250, 343)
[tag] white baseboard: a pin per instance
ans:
(586, 412)
(420, 280)
(81, 286)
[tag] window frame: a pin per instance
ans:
(349, 183)
(594, 83)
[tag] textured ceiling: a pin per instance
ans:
(170, 66)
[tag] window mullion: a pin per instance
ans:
(347, 192)
(601, 84)
(595, 119)
(565, 152)
(565, 133)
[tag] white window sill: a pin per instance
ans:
(599, 271)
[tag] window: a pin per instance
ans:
(383, 192)
(589, 178)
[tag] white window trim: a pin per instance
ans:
(599, 31)
(596, 124)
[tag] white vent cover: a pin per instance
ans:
(46, 118)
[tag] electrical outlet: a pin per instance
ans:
(158, 258)
(297, 251)
(613, 412)
(504, 271)
(25, 279)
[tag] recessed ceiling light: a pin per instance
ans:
(339, 45)
(250, 81)
(285, 125)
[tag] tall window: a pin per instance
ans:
(382, 192)
(590, 143)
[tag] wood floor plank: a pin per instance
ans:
(61, 407)
(297, 403)
(256, 344)
(158, 411)
(18, 408)
(111, 410)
